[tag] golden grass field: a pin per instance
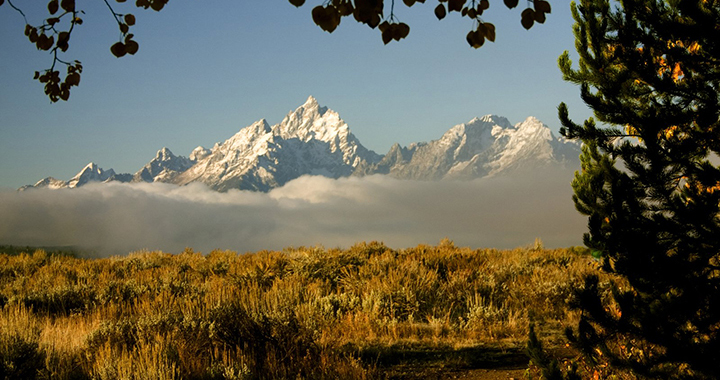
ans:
(360, 313)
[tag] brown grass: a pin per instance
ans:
(300, 313)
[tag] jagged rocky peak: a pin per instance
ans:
(199, 153)
(90, 173)
(164, 154)
(163, 167)
(311, 121)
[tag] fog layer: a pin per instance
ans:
(118, 218)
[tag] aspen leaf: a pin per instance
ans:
(440, 12)
(511, 3)
(409, 3)
(327, 18)
(73, 79)
(53, 6)
(344, 8)
(297, 3)
(539, 17)
(129, 19)
(455, 5)
(403, 30)
(33, 36)
(384, 26)
(131, 47)
(374, 20)
(542, 6)
(489, 31)
(118, 49)
(157, 5)
(475, 39)
(484, 4)
(527, 18)
(1, 2)
(124, 28)
(63, 39)
(68, 5)
(387, 36)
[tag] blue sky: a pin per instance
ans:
(206, 69)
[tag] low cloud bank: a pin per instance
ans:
(118, 218)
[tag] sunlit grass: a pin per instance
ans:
(302, 312)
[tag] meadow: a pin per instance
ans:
(365, 312)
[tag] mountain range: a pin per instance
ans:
(314, 140)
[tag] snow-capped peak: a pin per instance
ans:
(199, 153)
(91, 172)
(310, 102)
(164, 154)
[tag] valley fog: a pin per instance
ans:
(116, 218)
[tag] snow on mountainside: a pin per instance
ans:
(310, 140)
(163, 168)
(314, 140)
(486, 146)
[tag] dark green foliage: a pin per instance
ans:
(650, 70)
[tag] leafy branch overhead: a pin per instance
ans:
(372, 13)
(53, 34)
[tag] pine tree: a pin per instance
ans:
(650, 184)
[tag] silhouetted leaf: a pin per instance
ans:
(1, 2)
(484, 4)
(68, 5)
(131, 47)
(542, 6)
(489, 31)
(124, 28)
(118, 49)
(475, 39)
(455, 5)
(157, 5)
(527, 18)
(344, 8)
(297, 3)
(53, 6)
(129, 19)
(374, 20)
(327, 18)
(386, 36)
(440, 12)
(511, 3)
(73, 79)
(409, 3)
(403, 30)
(33, 36)
(539, 17)
(63, 38)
